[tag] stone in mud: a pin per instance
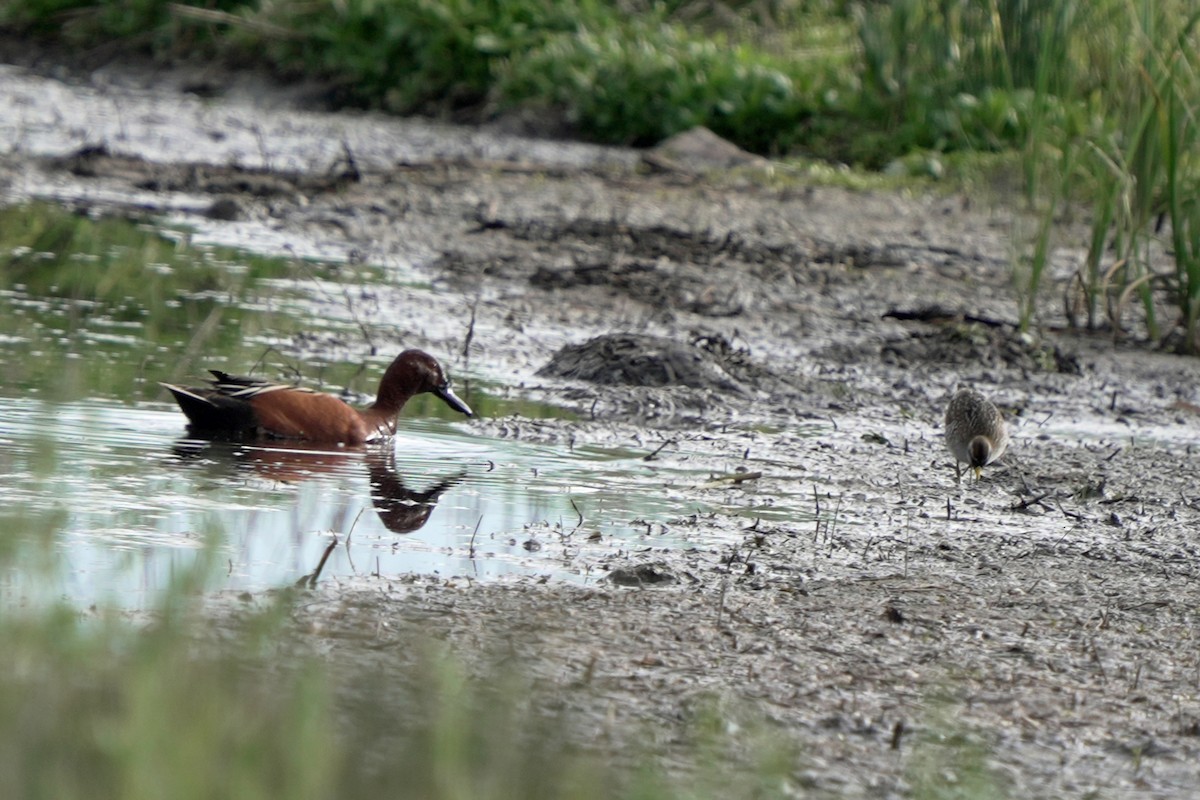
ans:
(639, 360)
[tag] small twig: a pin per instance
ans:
(466, 349)
(817, 513)
(350, 532)
(1069, 514)
(734, 477)
(897, 734)
(721, 600)
(653, 455)
(310, 581)
(1025, 504)
(577, 511)
(352, 172)
(471, 549)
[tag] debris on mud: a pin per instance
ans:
(958, 340)
(655, 283)
(643, 575)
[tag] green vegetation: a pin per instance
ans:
(950, 762)
(190, 703)
(778, 81)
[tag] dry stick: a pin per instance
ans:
(817, 514)
(466, 350)
(721, 601)
(202, 331)
(263, 152)
(1069, 514)
(311, 580)
(471, 550)
(212, 16)
(836, 511)
(350, 557)
(1024, 504)
(734, 477)
(352, 170)
(262, 359)
(654, 455)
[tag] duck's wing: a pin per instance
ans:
(245, 387)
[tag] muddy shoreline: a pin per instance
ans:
(1046, 613)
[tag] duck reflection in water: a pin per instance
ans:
(401, 509)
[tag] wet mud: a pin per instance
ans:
(802, 341)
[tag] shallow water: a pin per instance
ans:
(108, 502)
(136, 502)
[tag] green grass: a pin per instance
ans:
(628, 72)
(193, 704)
(860, 83)
(950, 762)
(1129, 161)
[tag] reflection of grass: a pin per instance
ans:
(95, 300)
(132, 274)
(484, 404)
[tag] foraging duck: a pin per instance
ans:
(975, 431)
(248, 407)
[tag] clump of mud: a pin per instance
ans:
(639, 360)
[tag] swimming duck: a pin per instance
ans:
(240, 407)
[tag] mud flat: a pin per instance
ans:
(809, 338)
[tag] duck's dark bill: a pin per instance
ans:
(452, 400)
